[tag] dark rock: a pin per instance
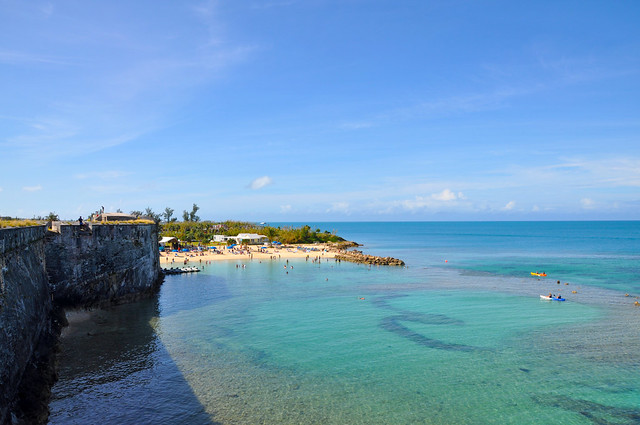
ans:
(359, 257)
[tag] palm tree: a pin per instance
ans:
(270, 232)
(168, 212)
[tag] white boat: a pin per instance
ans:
(547, 298)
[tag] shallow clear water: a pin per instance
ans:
(466, 342)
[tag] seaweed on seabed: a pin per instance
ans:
(392, 324)
(597, 413)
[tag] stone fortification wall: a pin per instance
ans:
(104, 263)
(42, 271)
(25, 309)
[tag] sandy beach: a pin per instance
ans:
(312, 252)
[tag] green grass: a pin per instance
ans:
(6, 223)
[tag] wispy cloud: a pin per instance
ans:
(562, 69)
(32, 188)
(47, 9)
(272, 4)
(356, 125)
(44, 132)
(339, 207)
(455, 104)
(510, 205)
(14, 57)
(50, 137)
(444, 199)
(260, 182)
(587, 203)
(112, 174)
(605, 172)
(132, 84)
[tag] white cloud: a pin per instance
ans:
(285, 208)
(509, 206)
(342, 207)
(261, 182)
(587, 203)
(447, 195)
(417, 203)
(436, 200)
(32, 188)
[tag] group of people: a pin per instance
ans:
(559, 297)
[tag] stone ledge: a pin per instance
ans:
(359, 257)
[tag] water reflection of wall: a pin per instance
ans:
(113, 365)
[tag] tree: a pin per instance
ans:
(269, 232)
(192, 214)
(168, 212)
(52, 217)
(185, 216)
(154, 216)
(136, 213)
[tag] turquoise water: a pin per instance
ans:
(602, 253)
(467, 341)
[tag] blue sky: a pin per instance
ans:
(345, 110)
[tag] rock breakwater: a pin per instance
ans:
(359, 257)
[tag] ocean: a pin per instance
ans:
(458, 336)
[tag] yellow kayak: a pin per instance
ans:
(538, 274)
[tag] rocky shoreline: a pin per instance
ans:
(358, 257)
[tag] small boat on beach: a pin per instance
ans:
(180, 270)
(548, 298)
(538, 274)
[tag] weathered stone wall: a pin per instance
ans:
(101, 264)
(25, 308)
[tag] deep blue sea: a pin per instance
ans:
(459, 336)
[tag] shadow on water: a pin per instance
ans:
(599, 414)
(114, 369)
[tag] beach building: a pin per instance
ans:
(222, 238)
(168, 240)
(244, 238)
(251, 238)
